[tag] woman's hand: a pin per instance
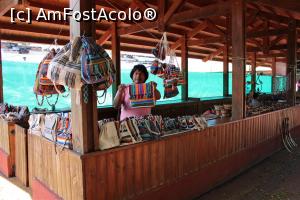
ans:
(121, 88)
(119, 96)
(156, 92)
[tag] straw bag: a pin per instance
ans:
(142, 95)
(108, 137)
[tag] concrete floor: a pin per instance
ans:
(276, 178)
(12, 190)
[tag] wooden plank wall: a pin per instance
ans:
(21, 155)
(59, 169)
(131, 171)
(7, 143)
(6, 136)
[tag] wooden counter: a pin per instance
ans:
(180, 166)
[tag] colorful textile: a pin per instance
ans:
(142, 95)
(96, 65)
(170, 91)
(128, 111)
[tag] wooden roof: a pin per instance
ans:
(204, 22)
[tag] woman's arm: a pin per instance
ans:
(119, 98)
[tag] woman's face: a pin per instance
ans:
(138, 77)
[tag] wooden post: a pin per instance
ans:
(184, 65)
(292, 61)
(1, 77)
(225, 71)
(274, 75)
(116, 57)
(84, 101)
(253, 72)
(238, 59)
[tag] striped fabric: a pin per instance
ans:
(142, 95)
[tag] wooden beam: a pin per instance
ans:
(274, 75)
(1, 76)
(105, 37)
(116, 57)
(225, 71)
(238, 59)
(212, 26)
(190, 34)
(207, 40)
(214, 54)
(175, 5)
(162, 8)
(264, 33)
(184, 66)
(253, 72)
(6, 5)
(218, 9)
(276, 40)
(292, 61)
(266, 39)
(84, 101)
(289, 5)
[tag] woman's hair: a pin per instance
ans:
(140, 68)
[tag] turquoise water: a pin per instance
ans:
(19, 79)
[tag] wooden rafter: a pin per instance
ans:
(162, 9)
(255, 34)
(207, 40)
(175, 6)
(290, 5)
(220, 8)
(215, 28)
(276, 40)
(214, 54)
(190, 34)
(5, 5)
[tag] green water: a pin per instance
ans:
(19, 79)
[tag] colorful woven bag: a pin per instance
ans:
(170, 91)
(43, 86)
(142, 95)
(96, 65)
(65, 67)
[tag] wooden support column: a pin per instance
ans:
(1, 76)
(292, 61)
(253, 72)
(226, 57)
(225, 71)
(184, 65)
(116, 57)
(273, 74)
(84, 113)
(238, 59)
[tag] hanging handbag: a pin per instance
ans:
(43, 86)
(65, 67)
(96, 65)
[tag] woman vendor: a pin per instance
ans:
(138, 74)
